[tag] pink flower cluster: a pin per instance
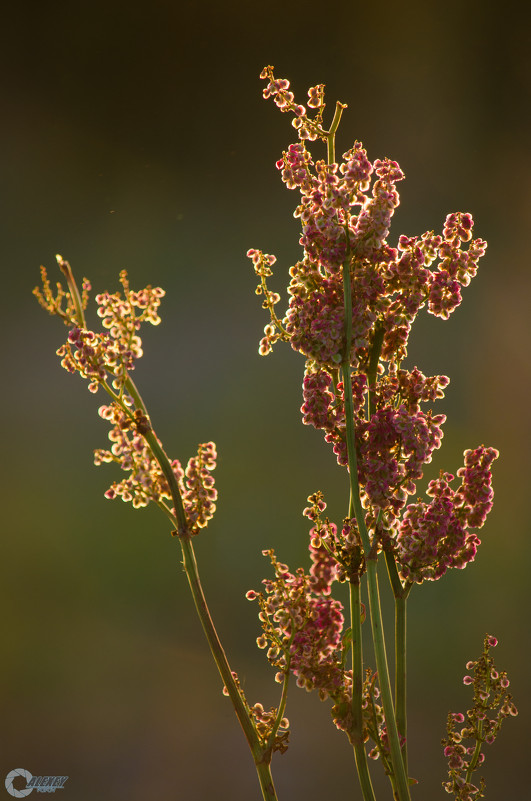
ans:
(435, 536)
(199, 495)
(95, 356)
(397, 441)
(343, 217)
(302, 628)
(315, 320)
(130, 451)
(279, 90)
(146, 482)
(119, 314)
(336, 556)
(482, 723)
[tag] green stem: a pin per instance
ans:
(360, 754)
(349, 414)
(383, 678)
(371, 554)
(135, 394)
(477, 750)
(331, 133)
(282, 705)
(261, 756)
(400, 672)
(401, 594)
(357, 660)
(265, 778)
(165, 466)
(65, 268)
(475, 758)
(362, 769)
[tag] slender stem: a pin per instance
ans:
(479, 740)
(383, 678)
(135, 394)
(261, 756)
(265, 778)
(400, 672)
(394, 578)
(401, 594)
(357, 660)
(475, 758)
(74, 291)
(192, 574)
(349, 413)
(371, 555)
(362, 768)
(360, 754)
(331, 134)
(165, 466)
(281, 706)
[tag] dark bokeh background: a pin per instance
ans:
(134, 136)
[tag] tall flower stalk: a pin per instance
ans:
(187, 497)
(352, 301)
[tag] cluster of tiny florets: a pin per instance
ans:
(336, 555)
(146, 481)
(272, 730)
(394, 444)
(301, 628)
(481, 724)
(433, 537)
(99, 357)
(53, 303)
(265, 723)
(200, 495)
(345, 212)
(124, 315)
(95, 357)
(279, 89)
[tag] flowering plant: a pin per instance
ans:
(352, 301)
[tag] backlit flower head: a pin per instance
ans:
(146, 482)
(467, 734)
(100, 357)
(439, 535)
(346, 209)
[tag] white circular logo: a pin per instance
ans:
(9, 782)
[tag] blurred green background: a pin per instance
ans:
(134, 135)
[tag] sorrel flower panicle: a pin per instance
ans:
(345, 210)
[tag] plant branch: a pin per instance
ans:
(261, 756)
(371, 555)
